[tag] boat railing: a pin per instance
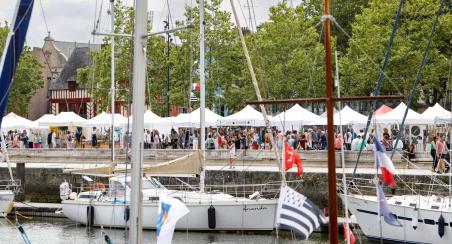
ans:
(366, 186)
(269, 190)
(12, 185)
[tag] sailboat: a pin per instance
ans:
(13, 49)
(420, 217)
(137, 195)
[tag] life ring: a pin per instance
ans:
(97, 186)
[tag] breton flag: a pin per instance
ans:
(384, 210)
(193, 97)
(195, 86)
(297, 213)
(170, 211)
(292, 157)
(383, 162)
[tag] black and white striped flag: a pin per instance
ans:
(297, 213)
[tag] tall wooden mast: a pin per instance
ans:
(332, 200)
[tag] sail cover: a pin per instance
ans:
(13, 49)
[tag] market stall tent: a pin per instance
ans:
(347, 116)
(104, 120)
(395, 116)
(436, 112)
(382, 110)
(65, 119)
(248, 116)
(193, 119)
(293, 118)
(13, 121)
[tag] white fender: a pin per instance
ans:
(65, 190)
(414, 222)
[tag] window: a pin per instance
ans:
(72, 85)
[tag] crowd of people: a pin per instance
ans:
(238, 138)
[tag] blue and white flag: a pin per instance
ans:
(170, 211)
(384, 210)
(297, 213)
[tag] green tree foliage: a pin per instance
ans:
(371, 32)
(287, 53)
(27, 79)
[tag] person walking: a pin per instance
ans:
(442, 151)
(231, 154)
(432, 146)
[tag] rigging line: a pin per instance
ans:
(44, 16)
(379, 81)
(169, 14)
(418, 76)
(366, 55)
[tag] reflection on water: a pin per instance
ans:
(56, 230)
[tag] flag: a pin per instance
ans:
(193, 97)
(292, 157)
(384, 210)
(352, 236)
(297, 213)
(195, 86)
(170, 211)
(384, 162)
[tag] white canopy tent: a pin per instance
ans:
(104, 120)
(248, 116)
(347, 116)
(13, 121)
(45, 118)
(395, 116)
(193, 119)
(295, 117)
(65, 119)
(437, 113)
(154, 122)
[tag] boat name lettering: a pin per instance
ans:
(260, 208)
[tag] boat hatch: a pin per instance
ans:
(413, 204)
(398, 203)
(435, 207)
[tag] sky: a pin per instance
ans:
(72, 20)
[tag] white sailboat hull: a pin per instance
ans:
(6, 202)
(365, 208)
(234, 214)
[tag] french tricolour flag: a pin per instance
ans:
(383, 162)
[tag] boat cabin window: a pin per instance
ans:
(429, 221)
(117, 189)
(150, 183)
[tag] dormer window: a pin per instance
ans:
(72, 85)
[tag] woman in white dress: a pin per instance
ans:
(231, 148)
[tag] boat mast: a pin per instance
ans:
(112, 89)
(139, 73)
(258, 95)
(344, 178)
(332, 200)
(202, 78)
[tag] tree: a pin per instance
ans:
(292, 56)
(371, 31)
(27, 79)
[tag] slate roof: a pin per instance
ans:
(66, 48)
(78, 59)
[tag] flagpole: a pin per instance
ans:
(332, 197)
(202, 103)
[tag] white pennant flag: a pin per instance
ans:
(170, 211)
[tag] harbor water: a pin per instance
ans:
(60, 230)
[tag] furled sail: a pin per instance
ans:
(13, 49)
(188, 166)
(102, 171)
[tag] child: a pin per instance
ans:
(231, 148)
